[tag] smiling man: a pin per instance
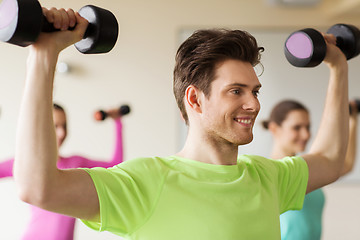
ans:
(206, 191)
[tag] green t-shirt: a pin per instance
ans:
(176, 198)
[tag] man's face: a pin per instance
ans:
(229, 112)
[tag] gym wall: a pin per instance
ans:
(138, 71)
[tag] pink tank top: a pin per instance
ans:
(45, 225)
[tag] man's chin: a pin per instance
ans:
(245, 141)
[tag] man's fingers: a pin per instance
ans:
(64, 19)
(330, 38)
(61, 19)
(72, 17)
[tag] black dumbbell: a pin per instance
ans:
(307, 47)
(22, 21)
(357, 102)
(101, 115)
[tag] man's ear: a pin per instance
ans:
(193, 98)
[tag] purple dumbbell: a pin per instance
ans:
(307, 47)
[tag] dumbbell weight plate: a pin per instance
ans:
(348, 39)
(17, 26)
(305, 48)
(102, 32)
(8, 19)
(124, 109)
(100, 115)
(357, 102)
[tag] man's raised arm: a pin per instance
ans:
(40, 182)
(327, 153)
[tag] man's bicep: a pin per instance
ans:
(321, 171)
(75, 195)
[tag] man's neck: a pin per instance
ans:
(209, 151)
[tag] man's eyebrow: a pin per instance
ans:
(243, 85)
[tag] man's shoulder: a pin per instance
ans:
(146, 164)
(256, 159)
(268, 164)
(147, 161)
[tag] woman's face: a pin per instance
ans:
(294, 132)
(60, 126)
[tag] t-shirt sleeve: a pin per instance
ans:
(292, 179)
(127, 194)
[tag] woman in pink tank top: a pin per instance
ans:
(45, 225)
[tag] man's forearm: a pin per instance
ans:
(331, 140)
(36, 148)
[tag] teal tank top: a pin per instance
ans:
(305, 223)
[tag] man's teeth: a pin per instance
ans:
(245, 121)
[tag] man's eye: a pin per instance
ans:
(256, 93)
(236, 91)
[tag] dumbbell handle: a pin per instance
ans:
(49, 27)
(101, 115)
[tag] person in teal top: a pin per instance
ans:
(289, 124)
(307, 222)
(204, 191)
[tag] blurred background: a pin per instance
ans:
(138, 72)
